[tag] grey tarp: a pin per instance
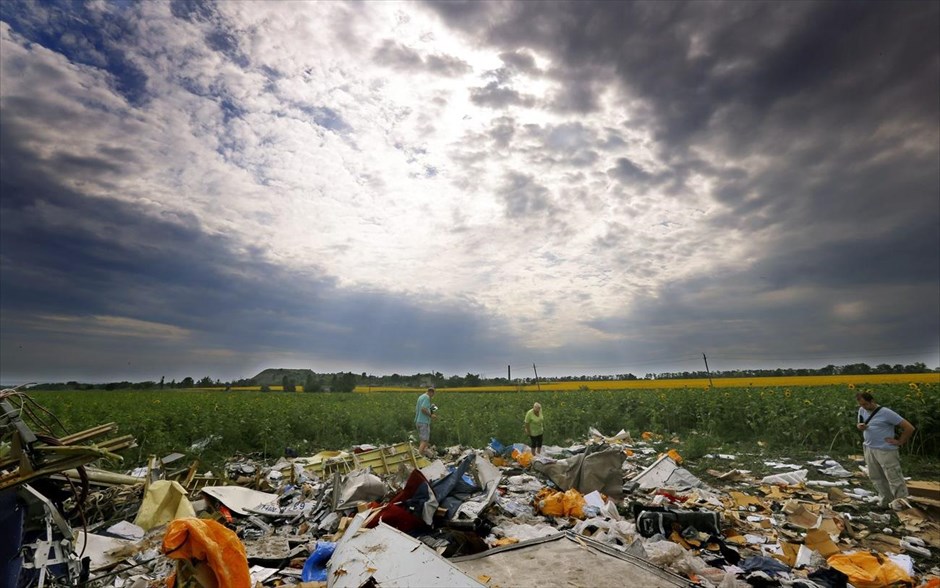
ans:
(598, 468)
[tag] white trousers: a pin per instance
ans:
(884, 469)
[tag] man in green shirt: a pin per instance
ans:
(423, 414)
(534, 427)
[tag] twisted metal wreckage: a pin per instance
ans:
(608, 512)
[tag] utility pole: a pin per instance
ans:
(509, 374)
(536, 378)
(710, 384)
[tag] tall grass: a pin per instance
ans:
(267, 423)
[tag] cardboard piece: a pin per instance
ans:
(819, 540)
(798, 514)
(729, 476)
(742, 500)
(836, 496)
(788, 553)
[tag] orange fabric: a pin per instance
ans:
(524, 459)
(672, 453)
(560, 504)
(867, 571)
(210, 542)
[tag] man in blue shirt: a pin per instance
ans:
(877, 424)
(423, 415)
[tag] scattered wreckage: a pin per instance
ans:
(607, 512)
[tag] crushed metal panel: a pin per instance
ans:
(387, 557)
(103, 551)
(560, 560)
(489, 477)
(238, 499)
(383, 460)
(356, 487)
(665, 472)
(271, 548)
(435, 471)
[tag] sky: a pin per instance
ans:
(211, 189)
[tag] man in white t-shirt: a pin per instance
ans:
(878, 424)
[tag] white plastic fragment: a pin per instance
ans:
(908, 546)
(791, 478)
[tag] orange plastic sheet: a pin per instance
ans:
(867, 571)
(560, 504)
(524, 459)
(211, 545)
(672, 453)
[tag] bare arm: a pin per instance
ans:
(907, 429)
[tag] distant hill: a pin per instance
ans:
(275, 376)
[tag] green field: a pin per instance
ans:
(815, 419)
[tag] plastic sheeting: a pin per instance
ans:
(163, 502)
(598, 468)
(867, 571)
(215, 548)
(560, 504)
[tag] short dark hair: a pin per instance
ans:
(866, 396)
(430, 388)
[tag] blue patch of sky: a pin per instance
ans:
(230, 110)
(325, 117)
(270, 73)
(225, 43)
(83, 36)
(193, 10)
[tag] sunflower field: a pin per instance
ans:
(214, 425)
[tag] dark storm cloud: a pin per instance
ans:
(398, 56)
(524, 196)
(521, 61)
(494, 95)
(629, 173)
(821, 125)
(502, 131)
(692, 62)
(72, 265)
(447, 65)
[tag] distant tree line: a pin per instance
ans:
(292, 380)
(852, 369)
